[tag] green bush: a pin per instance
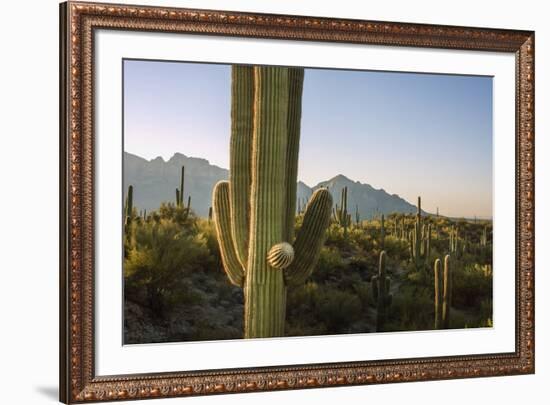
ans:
(160, 262)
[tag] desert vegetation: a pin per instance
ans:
(265, 263)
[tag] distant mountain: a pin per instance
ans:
(368, 200)
(156, 181)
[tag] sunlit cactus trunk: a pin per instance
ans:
(255, 211)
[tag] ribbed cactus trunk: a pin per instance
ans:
(255, 211)
(265, 292)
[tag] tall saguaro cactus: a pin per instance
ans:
(442, 293)
(254, 212)
(381, 292)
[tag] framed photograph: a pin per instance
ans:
(256, 202)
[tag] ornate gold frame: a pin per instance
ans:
(78, 381)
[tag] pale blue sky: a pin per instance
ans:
(410, 134)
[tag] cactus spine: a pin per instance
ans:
(254, 211)
(381, 292)
(340, 213)
(442, 293)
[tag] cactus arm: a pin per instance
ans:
(296, 81)
(242, 117)
(310, 238)
(222, 220)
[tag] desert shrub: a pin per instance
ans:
(329, 266)
(316, 309)
(411, 309)
(363, 290)
(207, 231)
(160, 262)
(470, 286)
(338, 309)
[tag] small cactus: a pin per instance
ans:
(129, 207)
(381, 292)
(483, 239)
(437, 293)
(454, 238)
(340, 213)
(447, 292)
(420, 240)
(442, 293)
(180, 193)
(382, 233)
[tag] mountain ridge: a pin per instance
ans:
(156, 180)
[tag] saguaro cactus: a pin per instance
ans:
(447, 292)
(381, 292)
(483, 238)
(420, 240)
(129, 207)
(454, 238)
(382, 233)
(179, 195)
(442, 293)
(437, 293)
(340, 213)
(254, 212)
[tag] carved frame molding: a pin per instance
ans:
(78, 382)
